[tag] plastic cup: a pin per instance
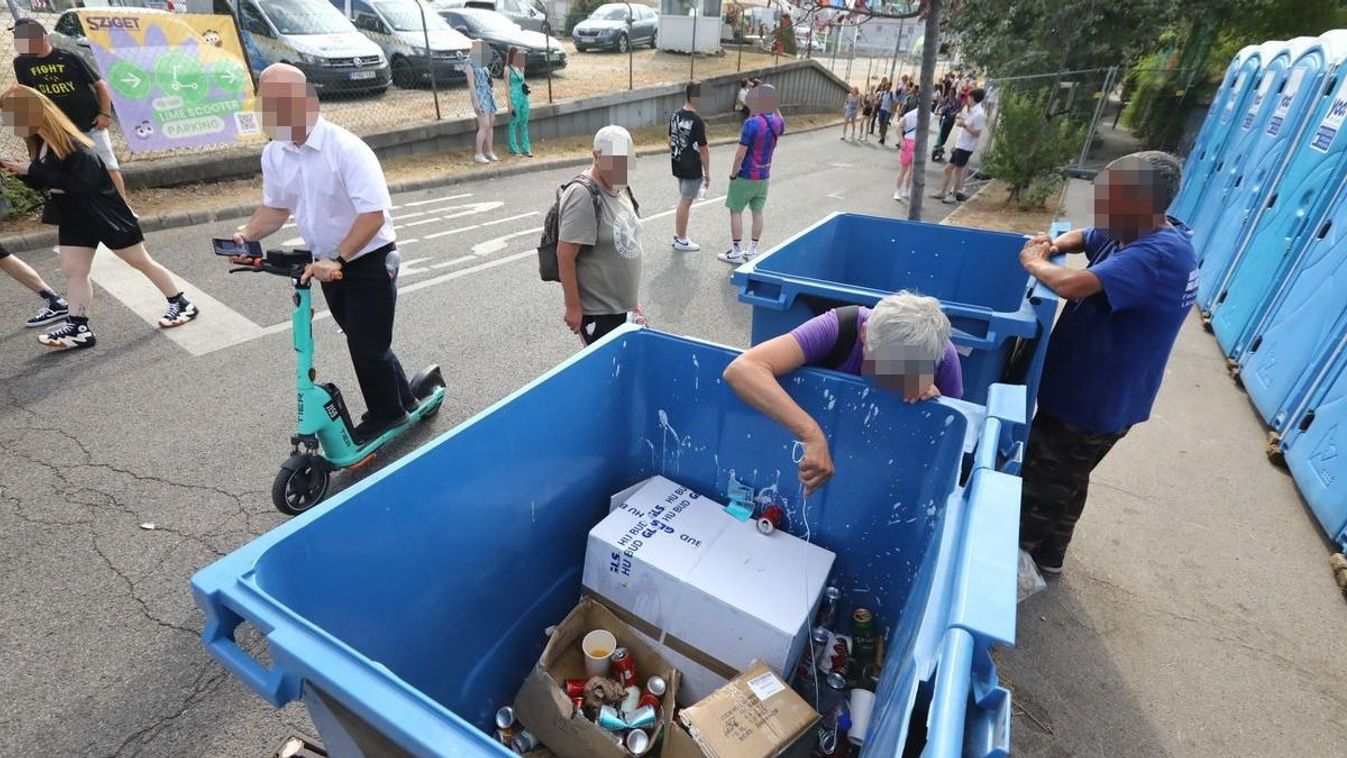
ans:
(862, 705)
(597, 646)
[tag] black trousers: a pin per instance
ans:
(364, 302)
(594, 328)
(1056, 479)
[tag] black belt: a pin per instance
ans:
(385, 250)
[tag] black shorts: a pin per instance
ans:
(960, 158)
(84, 235)
(592, 328)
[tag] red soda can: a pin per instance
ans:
(771, 518)
(623, 667)
(650, 700)
(579, 703)
(576, 687)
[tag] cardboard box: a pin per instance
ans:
(754, 716)
(707, 588)
(543, 707)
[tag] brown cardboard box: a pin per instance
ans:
(543, 707)
(756, 715)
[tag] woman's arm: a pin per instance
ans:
(80, 173)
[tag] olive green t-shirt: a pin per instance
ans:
(609, 265)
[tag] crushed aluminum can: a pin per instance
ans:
(643, 718)
(638, 742)
(505, 717)
(524, 742)
(610, 720)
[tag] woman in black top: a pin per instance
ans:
(86, 208)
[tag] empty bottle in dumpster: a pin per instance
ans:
(711, 591)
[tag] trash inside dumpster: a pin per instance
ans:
(409, 610)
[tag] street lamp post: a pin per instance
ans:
(692, 56)
(430, 60)
(631, 66)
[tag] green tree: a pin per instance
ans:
(16, 199)
(1029, 149)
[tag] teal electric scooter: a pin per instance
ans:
(326, 441)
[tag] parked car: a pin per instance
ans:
(529, 14)
(316, 38)
(501, 34)
(607, 28)
(400, 29)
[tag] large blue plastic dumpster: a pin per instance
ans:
(1231, 100)
(1315, 168)
(1311, 446)
(1254, 167)
(1307, 319)
(845, 259)
(407, 609)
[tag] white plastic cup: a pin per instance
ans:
(862, 705)
(597, 646)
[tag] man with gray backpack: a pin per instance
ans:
(592, 242)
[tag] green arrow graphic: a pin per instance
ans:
(178, 74)
(228, 76)
(130, 81)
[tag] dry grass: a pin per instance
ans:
(989, 210)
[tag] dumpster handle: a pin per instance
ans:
(989, 442)
(749, 295)
(967, 717)
(218, 635)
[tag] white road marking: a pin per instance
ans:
(464, 272)
(418, 223)
(218, 326)
(509, 218)
(437, 235)
(445, 199)
(455, 261)
(409, 215)
(498, 244)
(409, 268)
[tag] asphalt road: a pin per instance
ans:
(99, 640)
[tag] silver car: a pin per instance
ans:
(528, 14)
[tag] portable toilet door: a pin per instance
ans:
(1292, 343)
(1311, 450)
(1231, 99)
(1313, 171)
(1251, 169)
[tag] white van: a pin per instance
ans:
(400, 29)
(316, 38)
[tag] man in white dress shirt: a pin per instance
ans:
(332, 182)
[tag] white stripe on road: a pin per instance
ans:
(464, 272)
(508, 218)
(219, 326)
(454, 261)
(445, 199)
(437, 235)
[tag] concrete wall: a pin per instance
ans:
(803, 86)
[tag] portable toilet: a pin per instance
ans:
(1251, 168)
(1231, 99)
(1313, 170)
(1311, 448)
(1291, 344)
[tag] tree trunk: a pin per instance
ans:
(929, 51)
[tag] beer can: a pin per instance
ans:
(644, 718)
(579, 703)
(506, 736)
(771, 518)
(822, 642)
(863, 630)
(610, 720)
(623, 667)
(827, 609)
(505, 717)
(655, 686)
(638, 742)
(524, 742)
(649, 700)
(576, 687)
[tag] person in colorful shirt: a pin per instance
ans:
(751, 170)
(902, 344)
(519, 105)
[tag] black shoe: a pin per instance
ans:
(179, 312)
(68, 336)
(961, 197)
(368, 429)
(1048, 560)
(52, 312)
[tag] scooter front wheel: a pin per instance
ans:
(300, 484)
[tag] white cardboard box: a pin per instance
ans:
(709, 589)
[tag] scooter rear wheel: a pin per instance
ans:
(424, 384)
(300, 484)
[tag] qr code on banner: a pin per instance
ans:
(245, 123)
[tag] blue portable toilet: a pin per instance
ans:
(1230, 100)
(1254, 166)
(1291, 344)
(1314, 168)
(1311, 447)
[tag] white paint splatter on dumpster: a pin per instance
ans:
(696, 373)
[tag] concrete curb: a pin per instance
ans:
(45, 239)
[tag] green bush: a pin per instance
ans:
(16, 199)
(579, 11)
(1029, 148)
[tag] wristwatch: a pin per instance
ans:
(341, 262)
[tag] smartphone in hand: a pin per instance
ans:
(232, 249)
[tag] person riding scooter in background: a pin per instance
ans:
(333, 184)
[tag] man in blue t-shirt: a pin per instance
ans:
(1108, 351)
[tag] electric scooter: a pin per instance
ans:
(326, 440)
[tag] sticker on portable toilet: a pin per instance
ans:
(1235, 89)
(1328, 130)
(1258, 96)
(1284, 104)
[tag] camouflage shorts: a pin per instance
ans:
(1056, 477)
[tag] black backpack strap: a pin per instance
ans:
(848, 332)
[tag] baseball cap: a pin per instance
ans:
(28, 25)
(613, 140)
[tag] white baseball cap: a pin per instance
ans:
(613, 140)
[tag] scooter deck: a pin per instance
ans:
(363, 452)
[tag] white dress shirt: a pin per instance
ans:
(326, 182)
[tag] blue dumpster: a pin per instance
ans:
(1314, 170)
(998, 311)
(1308, 317)
(405, 610)
(1254, 166)
(1231, 100)
(1310, 445)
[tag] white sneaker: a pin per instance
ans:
(685, 245)
(479, 158)
(732, 256)
(492, 157)
(750, 253)
(898, 196)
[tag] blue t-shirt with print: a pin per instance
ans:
(1108, 352)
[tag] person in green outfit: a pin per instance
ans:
(519, 105)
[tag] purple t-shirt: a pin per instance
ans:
(818, 335)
